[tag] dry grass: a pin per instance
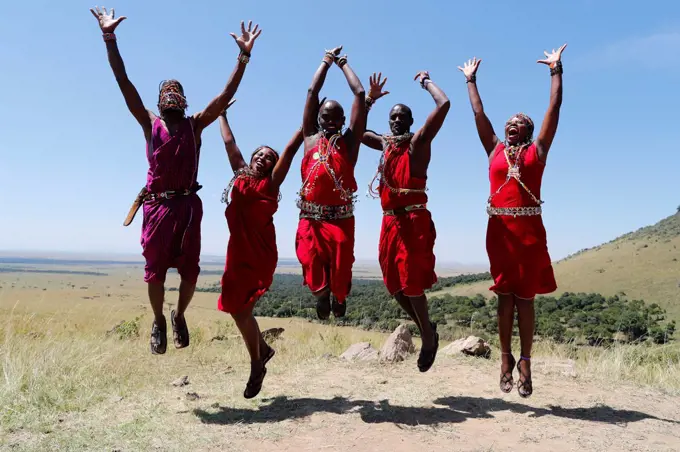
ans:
(62, 385)
(66, 385)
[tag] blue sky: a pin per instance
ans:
(73, 157)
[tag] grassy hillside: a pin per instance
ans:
(644, 264)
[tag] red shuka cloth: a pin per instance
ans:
(252, 254)
(406, 250)
(325, 249)
(517, 246)
(171, 228)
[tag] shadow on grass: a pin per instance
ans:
(454, 410)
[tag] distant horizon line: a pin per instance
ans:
(128, 256)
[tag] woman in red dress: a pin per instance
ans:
(516, 239)
(252, 254)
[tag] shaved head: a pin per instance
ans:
(403, 107)
(401, 119)
(331, 116)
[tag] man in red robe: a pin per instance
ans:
(171, 229)
(325, 237)
(407, 236)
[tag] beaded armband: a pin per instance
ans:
(557, 69)
(369, 102)
(341, 61)
(472, 79)
(109, 36)
(423, 82)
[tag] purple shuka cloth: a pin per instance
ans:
(171, 229)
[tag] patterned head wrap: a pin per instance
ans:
(171, 96)
(529, 123)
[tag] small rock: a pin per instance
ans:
(215, 405)
(398, 346)
(181, 381)
(362, 351)
(192, 396)
(382, 382)
(115, 399)
(272, 334)
(471, 346)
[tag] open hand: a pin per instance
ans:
(376, 91)
(247, 39)
(422, 76)
(107, 22)
(554, 57)
(470, 67)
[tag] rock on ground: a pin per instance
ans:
(363, 351)
(272, 334)
(398, 346)
(472, 346)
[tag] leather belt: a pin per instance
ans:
(405, 209)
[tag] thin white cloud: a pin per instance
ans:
(659, 50)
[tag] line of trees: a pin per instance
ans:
(590, 317)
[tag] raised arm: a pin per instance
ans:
(311, 111)
(108, 24)
(245, 43)
(357, 119)
(233, 152)
(436, 119)
(552, 116)
(484, 128)
(283, 165)
(372, 139)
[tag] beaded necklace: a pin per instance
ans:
(393, 142)
(325, 150)
(514, 156)
(244, 173)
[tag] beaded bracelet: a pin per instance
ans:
(472, 79)
(243, 57)
(557, 69)
(341, 61)
(369, 102)
(109, 37)
(423, 85)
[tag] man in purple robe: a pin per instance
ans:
(171, 230)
